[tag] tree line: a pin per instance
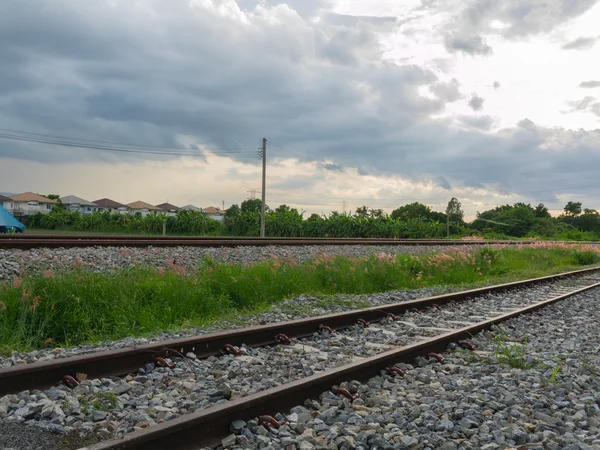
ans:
(414, 220)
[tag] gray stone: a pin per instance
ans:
(229, 441)
(449, 445)
(121, 388)
(236, 426)
(99, 416)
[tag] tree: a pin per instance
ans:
(58, 206)
(362, 211)
(453, 211)
(252, 206)
(412, 211)
(541, 212)
(573, 209)
(232, 211)
(376, 213)
(52, 196)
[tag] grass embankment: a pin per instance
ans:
(61, 309)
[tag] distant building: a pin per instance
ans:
(106, 204)
(191, 208)
(168, 209)
(143, 208)
(77, 204)
(29, 203)
(214, 213)
(5, 201)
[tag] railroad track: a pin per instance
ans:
(404, 331)
(25, 242)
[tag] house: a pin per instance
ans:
(5, 201)
(214, 213)
(168, 209)
(77, 204)
(29, 203)
(143, 208)
(106, 204)
(191, 208)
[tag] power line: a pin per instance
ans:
(111, 143)
(179, 152)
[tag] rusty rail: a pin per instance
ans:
(25, 242)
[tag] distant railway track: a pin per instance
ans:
(25, 242)
(209, 426)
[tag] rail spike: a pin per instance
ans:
(341, 391)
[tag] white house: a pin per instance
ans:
(77, 204)
(29, 203)
(143, 208)
(168, 209)
(214, 213)
(5, 202)
(106, 204)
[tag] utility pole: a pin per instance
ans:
(264, 187)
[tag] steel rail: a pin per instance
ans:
(119, 362)
(207, 428)
(54, 241)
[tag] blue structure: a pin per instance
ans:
(8, 222)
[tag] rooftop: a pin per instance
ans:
(108, 203)
(142, 205)
(168, 207)
(74, 200)
(31, 197)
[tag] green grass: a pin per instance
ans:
(70, 308)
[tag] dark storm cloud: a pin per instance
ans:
(580, 43)
(150, 72)
(443, 183)
(589, 84)
(521, 18)
(332, 167)
(476, 102)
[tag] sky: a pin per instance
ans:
(377, 103)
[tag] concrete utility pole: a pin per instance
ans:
(264, 187)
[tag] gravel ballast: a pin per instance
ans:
(545, 397)
(111, 407)
(14, 262)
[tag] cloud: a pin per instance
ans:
(476, 102)
(174, 73)
(447, 92)
(479, 122)
(510, 19)
(473, 45)
(332, 167)
(589, 84)
(586, 104)
(443, 183)
(580, 43)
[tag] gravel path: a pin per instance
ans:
(545, 397)
(13, 262)
(112, 407)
